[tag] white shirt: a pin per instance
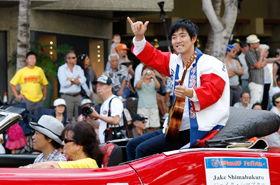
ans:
(65, 85)
(138, 73)
(267, 75)
(242, 60)
(116, 110)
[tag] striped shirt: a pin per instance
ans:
(255, 75)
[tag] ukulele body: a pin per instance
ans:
(175, 119)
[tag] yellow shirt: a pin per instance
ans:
(81, 163)
(30, 81)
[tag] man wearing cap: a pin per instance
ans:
(139, 122)
(47, 138)
(71, 77)
(234, 69)
(119, 75)
(31, 78)
(254, 60)
(245, 77)
(94, 122)
(111, 108)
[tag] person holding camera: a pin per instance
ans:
(111, 110)
(147, 97)
(85, 105)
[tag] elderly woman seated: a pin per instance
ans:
(81, 144)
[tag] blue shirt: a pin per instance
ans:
(65, 85)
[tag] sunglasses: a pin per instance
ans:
(67, 140)
(143, 121)
(277, 101)
(72, 57)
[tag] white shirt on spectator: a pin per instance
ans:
(65, 85)
(116, 110)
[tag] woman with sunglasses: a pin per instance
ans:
(81, 144)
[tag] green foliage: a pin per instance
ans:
(12, 60)
(48, 63)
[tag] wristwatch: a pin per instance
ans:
(72, 80)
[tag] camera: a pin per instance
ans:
(86, 111)
(149, 72)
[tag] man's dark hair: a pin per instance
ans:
(67, 54)
(256, 104)
(243, 93)
(274, 97)
(243, 44)
(31, 53)
(54, 143)
(186, 24)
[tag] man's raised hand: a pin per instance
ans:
(138, 29)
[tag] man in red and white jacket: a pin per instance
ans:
(205, 89)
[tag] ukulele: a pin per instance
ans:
(177, 109)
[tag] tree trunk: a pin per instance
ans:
(222, 28)
(22, 45)
(210, 39)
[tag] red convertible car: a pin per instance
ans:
(216, 166)
(249, 165)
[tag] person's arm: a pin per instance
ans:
(270, 60)
(145, 52)
(258, 64)
(14, 91)
(155, 80)
(131, 88)
(62, 78)
(120, 92)
(275, 69)
(230, 71)
(113, 120)
(48, 164)
(139, 83)
(81, 79)
(162, 77)
(45, 88)
(213, 82)
(239, 69)
(130, 70)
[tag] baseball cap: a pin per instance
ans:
(138, 117)
(103, 80)
(230, 47)
(50, 127)
(59, 101)
(122, 46)
(86, 101)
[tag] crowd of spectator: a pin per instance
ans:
(245, 61)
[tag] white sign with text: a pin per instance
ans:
(236, 171)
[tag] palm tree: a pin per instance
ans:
(221, 26)
(22, 45)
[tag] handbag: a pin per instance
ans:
(120, 132)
